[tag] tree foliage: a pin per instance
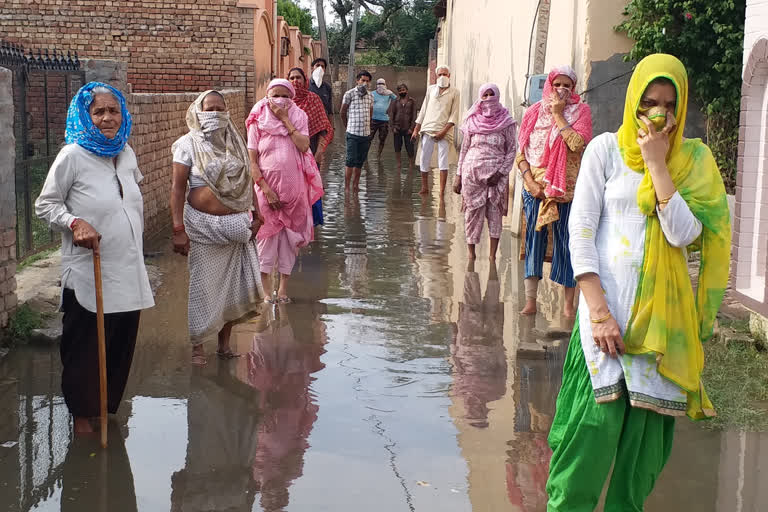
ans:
(397, 36)
(708, 37)
(296, 16)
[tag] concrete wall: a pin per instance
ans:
(158, 120)
(7, 200)
(750, 238)
(412, 76)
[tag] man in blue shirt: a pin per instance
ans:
(382, 97)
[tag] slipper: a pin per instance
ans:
(269, 300)
(227, 354)
(284, 300)
(199, 360)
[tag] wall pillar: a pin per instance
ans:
(7, 199)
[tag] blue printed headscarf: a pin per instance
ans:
(82, 131)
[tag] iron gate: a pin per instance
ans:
(43, 86)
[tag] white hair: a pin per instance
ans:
(103, 90)
(443, 66)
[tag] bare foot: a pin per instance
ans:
(529, 309)
(83, 426)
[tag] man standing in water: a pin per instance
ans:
(437, 118)
(356, 112)
(402, 120)
(382, 98)
(321, 88)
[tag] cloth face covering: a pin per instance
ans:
(486, 116)
(220, 156)
(317, 76)
(443, 82)
(281, 102)
(362, 89)
(81, 130)
(666, 320)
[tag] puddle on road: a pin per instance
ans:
(400, 380)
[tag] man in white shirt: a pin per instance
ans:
(438, 116)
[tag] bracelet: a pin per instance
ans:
(178, 229)
(522, 174)
(72, 224)
(261, 178)
(601, 320)
(667, 200)
(565, 127)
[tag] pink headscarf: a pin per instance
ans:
(486, 116)
(540, 137)
(266, 119)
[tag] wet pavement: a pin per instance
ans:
(400, 380)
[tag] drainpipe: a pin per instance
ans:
(275, 39)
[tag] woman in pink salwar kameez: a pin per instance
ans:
(482, 178)
(287, 183)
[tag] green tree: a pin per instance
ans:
(708, 36)
(296, 16)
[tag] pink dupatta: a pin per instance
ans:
(540, 137)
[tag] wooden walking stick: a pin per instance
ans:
(102, 347)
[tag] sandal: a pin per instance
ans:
(227, 354)
(284, 300)
(199, 360)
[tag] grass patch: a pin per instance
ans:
(36, 257)
(23, 322)
(736, 379)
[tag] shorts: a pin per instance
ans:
(357, 150)
(382, 127)
(428, 144)
(403, 137)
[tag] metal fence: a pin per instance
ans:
(43, 85)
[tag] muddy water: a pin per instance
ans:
(401, 379)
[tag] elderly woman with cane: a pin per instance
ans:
(92, 196)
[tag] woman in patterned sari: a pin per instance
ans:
(216, 225)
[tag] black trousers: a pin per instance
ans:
(80, 356)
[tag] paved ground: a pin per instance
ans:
(401, 379)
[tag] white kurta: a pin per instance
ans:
(81, 184)
(607, 237)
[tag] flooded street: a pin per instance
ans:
(399, 380)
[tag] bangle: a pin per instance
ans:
(522, 173)
(72, 224)
(261, 178)
(178, 229)
(667, 200)
(565, 127)
(601, 320)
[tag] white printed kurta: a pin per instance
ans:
(607, 237)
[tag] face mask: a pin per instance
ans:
(487, 107)
(317, 76)
(403, 94)
(362, 89)
(282, 102)
(657, 115)
(563, 92)
(381, 88)
(443, 82)
(211, 122)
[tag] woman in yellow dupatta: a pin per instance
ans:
(644, 196)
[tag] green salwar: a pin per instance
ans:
(586, 438)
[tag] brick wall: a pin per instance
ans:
(7, 200)
(170, 46)
(158, 120)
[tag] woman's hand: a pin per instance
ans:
(534, 188)
(319, 157)
(280, 113)
(557, 104)
(654, 145)
(256, 223)
(180, 243)
(84, 235)
(272, 199)
(607, 336)
(494, 179)
(457, 185)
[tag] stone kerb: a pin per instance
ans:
(7, 200)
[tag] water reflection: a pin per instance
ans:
(478, 355)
